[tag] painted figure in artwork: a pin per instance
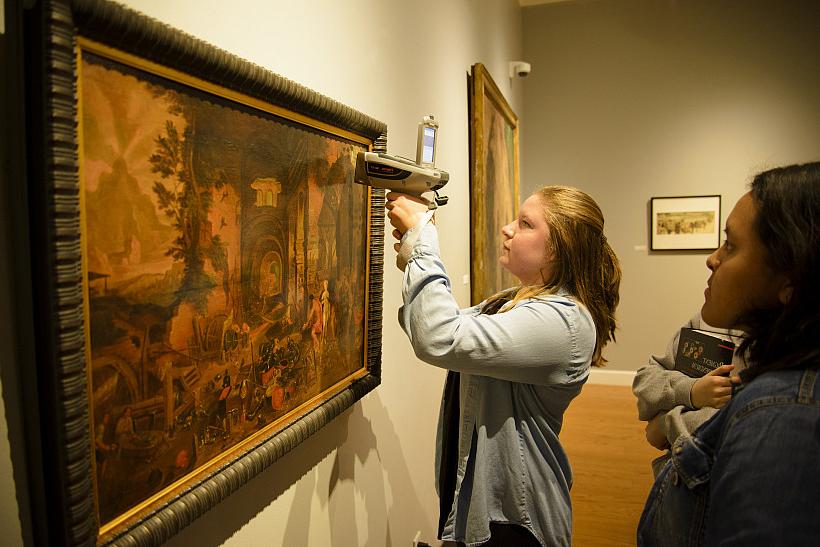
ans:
(314, 322)
(125, 427)
(104, 445)
(324, 297)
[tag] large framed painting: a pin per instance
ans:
(209, 275)
(493, 182)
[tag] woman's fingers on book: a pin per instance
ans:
(711, 390)
(722, 370)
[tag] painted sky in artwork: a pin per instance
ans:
(121, 120)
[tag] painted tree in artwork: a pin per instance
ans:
(186, 198)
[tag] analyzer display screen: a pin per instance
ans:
(428, 145)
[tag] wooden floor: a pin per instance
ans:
(610, 462)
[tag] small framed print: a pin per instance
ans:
(690, 223)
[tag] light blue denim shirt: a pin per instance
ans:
(519, 370)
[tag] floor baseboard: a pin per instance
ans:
(611, 377)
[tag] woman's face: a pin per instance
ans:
(741, 280)
(524, 251)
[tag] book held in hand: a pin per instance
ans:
(700, 352)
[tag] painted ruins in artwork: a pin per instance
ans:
(226, 264)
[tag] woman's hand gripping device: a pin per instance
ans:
(408, 177)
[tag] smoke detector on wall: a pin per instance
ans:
(519, 69)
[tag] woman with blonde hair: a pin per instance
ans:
(515, 362)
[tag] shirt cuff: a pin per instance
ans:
(683, 391)
(425, 244)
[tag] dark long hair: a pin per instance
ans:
(788, 225)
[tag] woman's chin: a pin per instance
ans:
(713, 318)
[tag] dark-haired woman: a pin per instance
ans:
(751, 474)
(515, 361)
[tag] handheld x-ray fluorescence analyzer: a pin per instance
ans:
(409, 177)
(404, 175)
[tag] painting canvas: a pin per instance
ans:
(226, 262)
(685, 223)
(493, 182)
(209, 273)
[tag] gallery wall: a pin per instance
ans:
(641, 98)
(367, 478)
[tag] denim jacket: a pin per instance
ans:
(518, 372)
(748, 476)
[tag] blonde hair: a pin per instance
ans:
(584, 263)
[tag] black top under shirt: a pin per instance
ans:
(448, 467)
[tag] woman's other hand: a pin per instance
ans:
(405, 211)
(714, 389)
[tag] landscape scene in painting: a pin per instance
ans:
(686, 222)
(226, 264)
